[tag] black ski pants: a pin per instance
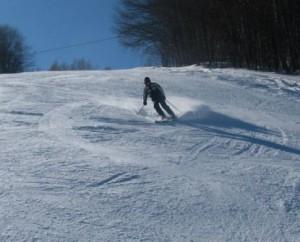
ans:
(162, 103)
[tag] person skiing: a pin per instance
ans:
(158, 97)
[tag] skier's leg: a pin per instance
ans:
(167, 108)
(159, 110)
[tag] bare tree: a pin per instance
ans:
(81, 64)
(14, 54)
(254, 34)
(77, 64)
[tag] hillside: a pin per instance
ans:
(78, 163)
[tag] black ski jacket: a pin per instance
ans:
(155, 91)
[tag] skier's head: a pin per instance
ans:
(147, 80)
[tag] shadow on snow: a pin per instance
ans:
(205, 119)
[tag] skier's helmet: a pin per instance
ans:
(147, 80)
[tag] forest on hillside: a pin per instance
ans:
(254, 34)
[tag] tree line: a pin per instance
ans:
(14, 54)
(254, 34)
(77, 64)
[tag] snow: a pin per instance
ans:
(79, 162)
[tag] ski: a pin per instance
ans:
(166, 121)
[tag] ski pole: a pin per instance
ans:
(140, 110)
(173, 106)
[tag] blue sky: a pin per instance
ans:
(49, 24)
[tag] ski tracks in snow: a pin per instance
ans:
(226, 171)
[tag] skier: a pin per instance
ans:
(158, 97)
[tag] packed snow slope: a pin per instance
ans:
(79, 162)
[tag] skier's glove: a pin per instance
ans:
(145, 103)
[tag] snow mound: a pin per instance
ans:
(204, 115)
(199, 113)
